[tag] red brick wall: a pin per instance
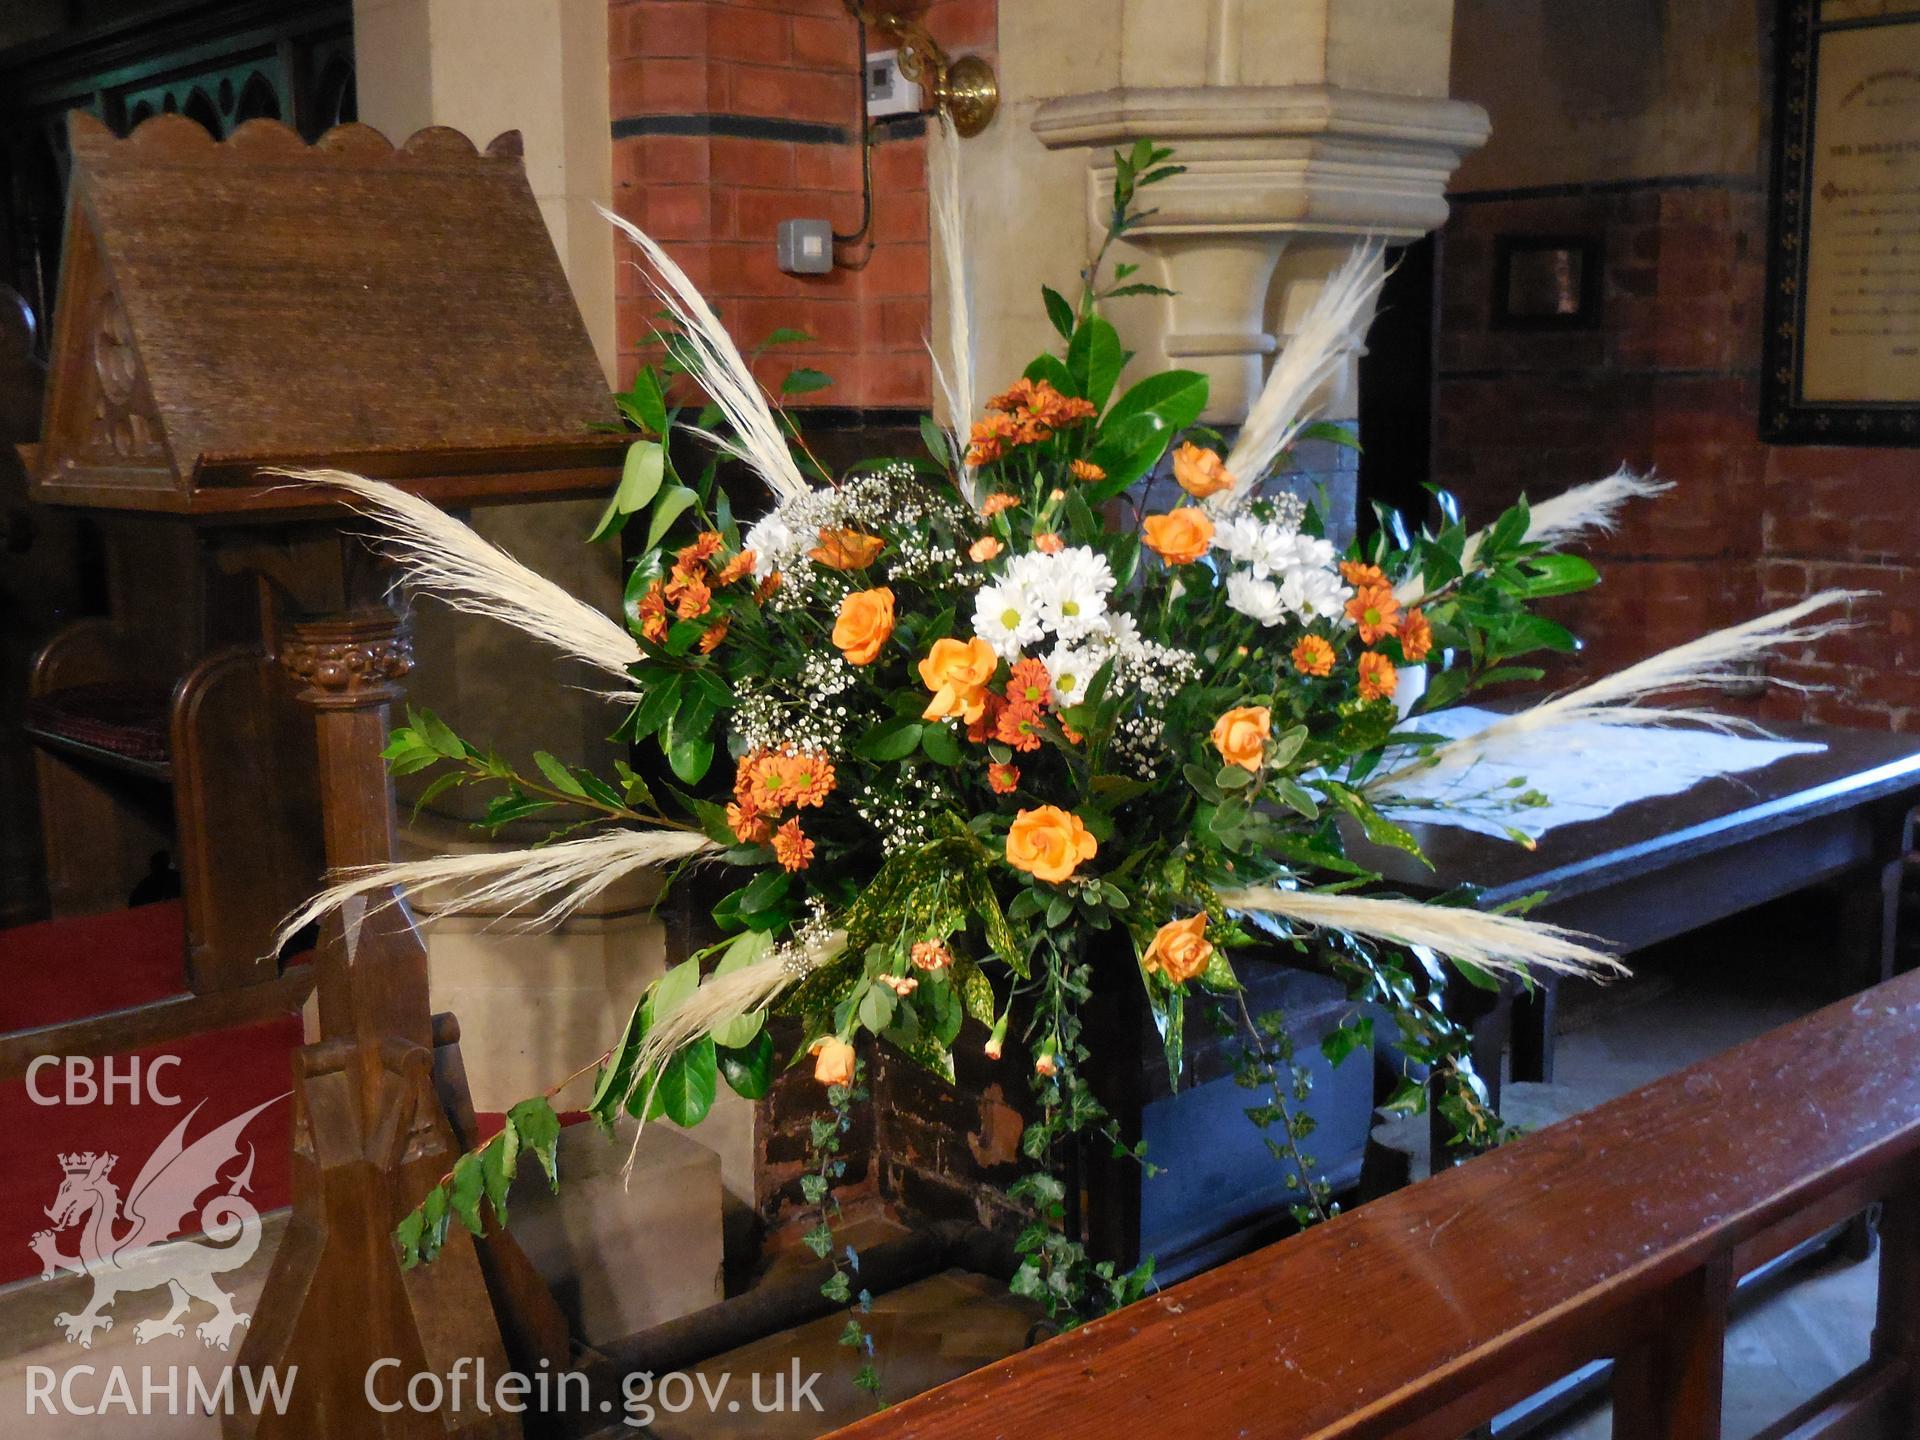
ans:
(1668, 381)
(715, 199)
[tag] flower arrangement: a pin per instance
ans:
(1082, 697)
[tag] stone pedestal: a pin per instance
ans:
(621, 1258)
(536, 1004)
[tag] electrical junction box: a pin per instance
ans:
(804, 247)
(888, 91)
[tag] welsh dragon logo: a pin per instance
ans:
(130, 1245)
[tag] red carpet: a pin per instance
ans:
(231, 1071)
(70, 969)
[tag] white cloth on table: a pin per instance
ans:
(1585, 770)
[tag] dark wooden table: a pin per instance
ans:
(1662, 867)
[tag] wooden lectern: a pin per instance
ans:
(399, 312)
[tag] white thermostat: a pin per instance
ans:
(888, 91)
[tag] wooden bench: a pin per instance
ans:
(1617, 1234)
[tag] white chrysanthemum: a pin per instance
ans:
(1070, 587)
(1315, 594)
(1118, 635)
(1256, 597)
(1007, 617)
(1071, 668)
(774, 544)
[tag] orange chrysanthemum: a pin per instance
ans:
(743, 772)
(806, 778)
(1026, 413)
(705, 546)
(1378, 678)
(715, 636)
(981, 728)
(1029, 684)
(990, 438)
(1018, 396)
(1003, 779)
(997, 502)
(766, 588)
(1019, 726)
(1086, 470)
(1313, 656)
(1361, 576)
(691, 597)
(791, 847)
(1375, 612)
(1416, 637)
(767, 786)
(738, 568)
(652, 611)
(749, 826)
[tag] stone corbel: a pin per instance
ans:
(1268, 169)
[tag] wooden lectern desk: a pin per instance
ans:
(400, 312)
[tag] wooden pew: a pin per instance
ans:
(1617, 1234)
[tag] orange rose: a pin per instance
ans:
(1049, 843)
(1378, 678)
(984, 549)
(833, 1061)
(1179, 537)
(846, 549)
(1200, 471)
(1180, 949)
(1241, 734)
(865, 625)
(957, 672)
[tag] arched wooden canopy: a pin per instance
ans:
(259, 301)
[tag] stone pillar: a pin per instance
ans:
(1302, 127)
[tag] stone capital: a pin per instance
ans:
(1275, 159)
(1269, 171)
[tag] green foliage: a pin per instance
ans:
(826, 1166)
(481, 1177)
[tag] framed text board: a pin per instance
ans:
(1842, 349)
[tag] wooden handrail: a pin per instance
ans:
(1616, 1234)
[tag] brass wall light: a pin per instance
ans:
(965, 89)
